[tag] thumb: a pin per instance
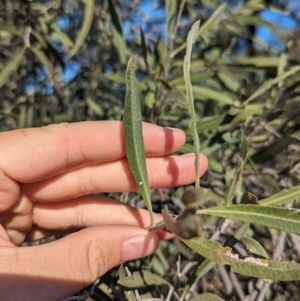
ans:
(61, 268)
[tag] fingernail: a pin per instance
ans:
(174, 129)
(138, 247)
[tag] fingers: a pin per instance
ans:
(54, 149)
(89, 211)
(9, 193)
(18, 220)
(4, 239)
(63, 267)
(115, 176)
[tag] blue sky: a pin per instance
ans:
(151, 10)
(285, 22)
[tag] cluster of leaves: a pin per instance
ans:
(245, 112)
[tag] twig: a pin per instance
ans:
(237, 286)
(295, 240)
(252, 296)
(185, 270)
(263, 291)
(279, 245)
(225, 278)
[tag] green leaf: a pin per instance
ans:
(257, 61)
(254, 247)
(144, 48)
(171, 7)
(270, 83)
(282, 197)
(86, 25)
(174, 96)
(206, 265)
(94, 106)
(11, 29)
(189, 96)
(205, 27)
(254, 20)
(273, 149)
(250, 266)
(132, 120)
(116, 77)
(235, 183)
(130, 292)
(207, 297)
(62, 37)
(218, 96)
(282, 63)
(209, 124)
(44, 60)
(285, 219)
(246, 113)
(11, 67)
(119, 40)
(120, 44)
(231, 82)
(115, 17)
(141, 279)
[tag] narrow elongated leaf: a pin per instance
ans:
(44, 60)
(209, 124)
(282, 63)
(231, 82)
(285, 219)
(63, 38)
(171, 7)
(246, 113)
(218, 96)
(115, 16)
(249, 266)
(206, 93)
(273, 149)
(282, 197)
(144, 48)
(119, 40)
(94, 106)
(207, 264)
(254, 20)
(207, 297)
(205, 27)
(86, 25)
(270, 83)
(132, 120)
(142, 278)
(257, 61)
(120, 45)
(11, 67)
(235, 183)
(189, 96)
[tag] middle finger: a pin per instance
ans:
(114, 176)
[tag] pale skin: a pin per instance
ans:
(47, 180)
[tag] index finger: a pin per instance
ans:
(28, 155)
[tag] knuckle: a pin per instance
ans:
(96, 260)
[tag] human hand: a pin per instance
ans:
(47, 176)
